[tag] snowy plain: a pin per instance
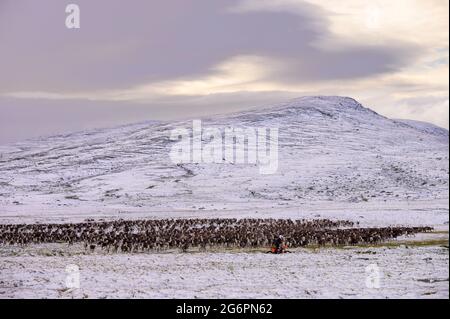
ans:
(414, 272)
(337, 160)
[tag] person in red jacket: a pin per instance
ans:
(278, 245)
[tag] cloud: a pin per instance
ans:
(146, 43)
(369, 21)
(178, 58)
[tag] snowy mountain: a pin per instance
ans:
(334, 155)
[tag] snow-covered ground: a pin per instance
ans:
(415, 272)
(337, 160)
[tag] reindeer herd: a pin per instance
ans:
(155, 235)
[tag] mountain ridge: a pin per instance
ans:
(332, 151)
(300, 103)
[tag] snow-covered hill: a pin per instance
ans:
(335, 157)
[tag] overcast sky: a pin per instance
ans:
(147, 60)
